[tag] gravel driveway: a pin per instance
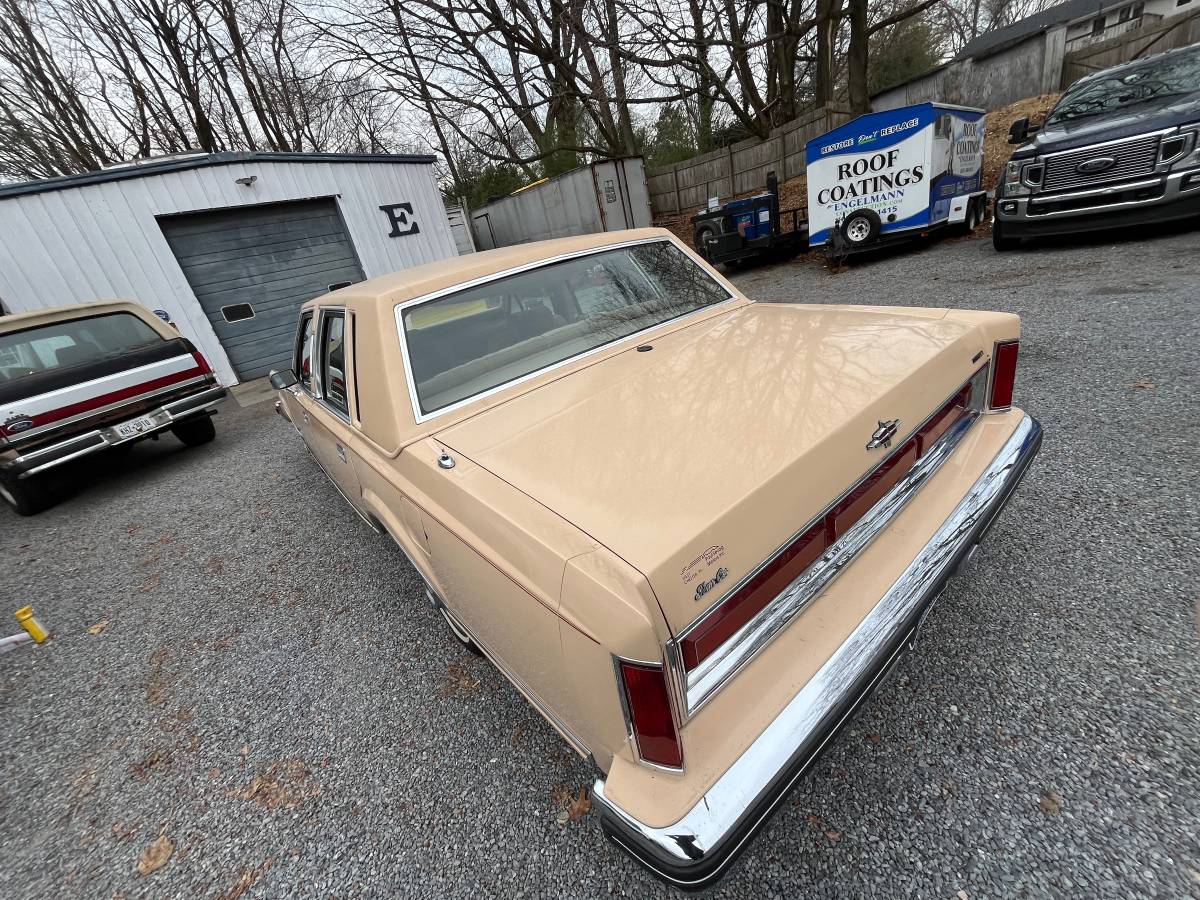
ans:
(245, 677)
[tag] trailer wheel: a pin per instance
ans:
(700, 236)
(860, 228)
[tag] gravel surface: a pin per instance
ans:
(267, 690)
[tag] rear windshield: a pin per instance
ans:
(473, 340)
(75, 342)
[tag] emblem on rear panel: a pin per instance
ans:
(17, 424)
(705, 586)
(883, 435)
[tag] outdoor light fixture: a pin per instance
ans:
(247, 180)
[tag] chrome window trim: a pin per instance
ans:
(328, 312)
(421, 417)
(296, 355)
(694, 689)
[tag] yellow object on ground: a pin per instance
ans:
(27, 621)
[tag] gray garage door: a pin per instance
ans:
(252, 268)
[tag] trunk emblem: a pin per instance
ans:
(1094, 166)
(705, 586)
(882, 437)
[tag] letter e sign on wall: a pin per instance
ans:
(401, 217)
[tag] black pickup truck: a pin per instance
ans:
(1121, 147)
(76, 380)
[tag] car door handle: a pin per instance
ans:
(341, 451)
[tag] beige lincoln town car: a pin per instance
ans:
(693, 530)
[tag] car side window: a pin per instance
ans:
(333, 361)
(304, 348)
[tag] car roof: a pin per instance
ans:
(23, 320)
(447, 273)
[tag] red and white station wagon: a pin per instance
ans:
(76, 380)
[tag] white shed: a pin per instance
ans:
(229, 245)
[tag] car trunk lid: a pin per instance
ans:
(698, 460)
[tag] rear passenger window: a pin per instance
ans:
(333, 361)
(304, 349)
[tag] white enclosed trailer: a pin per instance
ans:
(896, 174)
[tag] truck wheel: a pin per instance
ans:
(860, 228)
(195, 432)
(1000, 241)
(26, 497)
(700, 237)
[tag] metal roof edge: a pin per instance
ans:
(167, 166)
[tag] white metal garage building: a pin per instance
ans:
(228, 244)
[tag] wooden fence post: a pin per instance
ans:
(675, 184)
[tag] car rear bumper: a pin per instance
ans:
(694, 851)
(78, 445)
(1136, 203)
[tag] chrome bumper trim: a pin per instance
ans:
(694, 852)
(101, 438)
(1172, 185)
(695, 688)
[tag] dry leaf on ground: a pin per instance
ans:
(1143, 384)
(156, 855)
(580, 806)
(98, 627)
(834, 836)
(1051, 802)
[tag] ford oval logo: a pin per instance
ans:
(1096, 166)
(16, 426)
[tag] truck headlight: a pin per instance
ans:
(1014, 183)
(1190, 148)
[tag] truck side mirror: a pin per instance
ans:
(1021, 130)
(283, 380)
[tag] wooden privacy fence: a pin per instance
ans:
(739, 168)
(1176, 31)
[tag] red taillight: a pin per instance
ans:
(1004, 374)
(937, 426)
(202, 362)
(750, 599)
(650, 714)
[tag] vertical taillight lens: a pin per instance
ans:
(1004, 374)
(650, 714)
(202, 362)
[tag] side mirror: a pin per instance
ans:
(1020, 130)
(283, 380)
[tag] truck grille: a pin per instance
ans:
(1133, 158)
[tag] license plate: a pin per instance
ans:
(134, 427)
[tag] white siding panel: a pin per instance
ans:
(103, 240)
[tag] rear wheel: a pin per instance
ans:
(26, 497)
(972, 219)
(195, 432)
(701, 235)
